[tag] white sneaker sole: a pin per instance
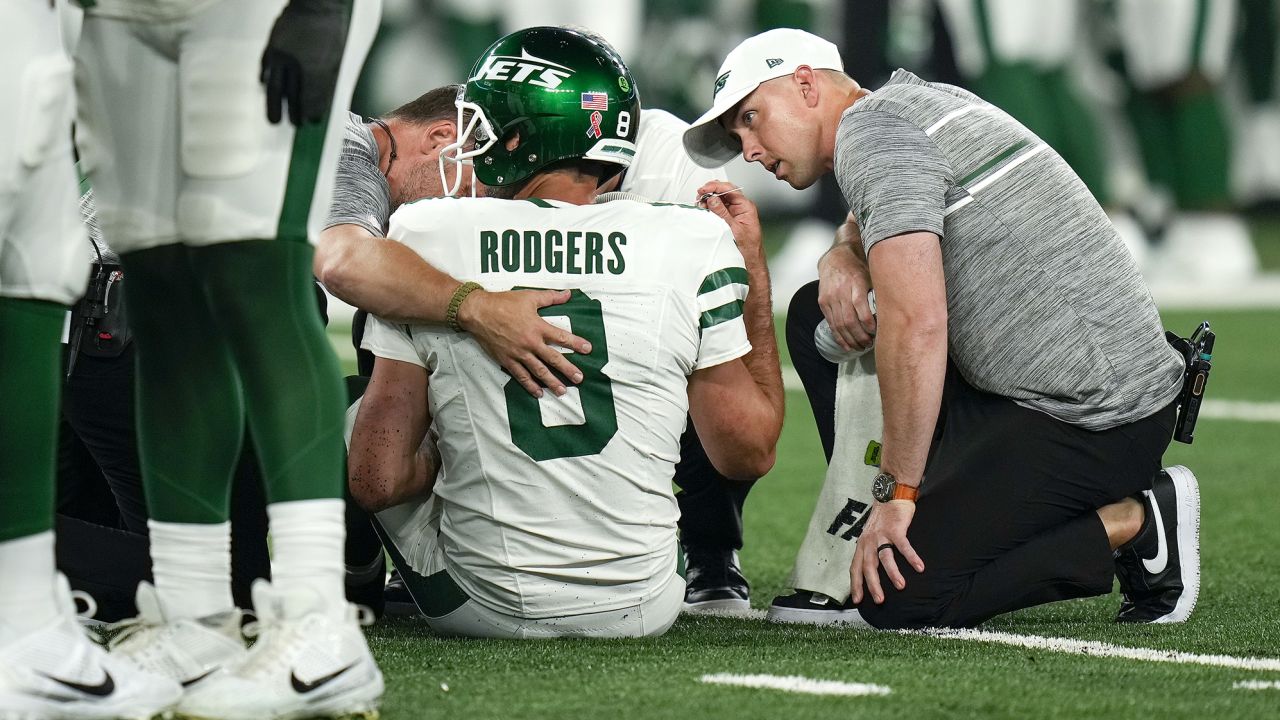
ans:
(1187, 491)
(717, 607)
(805, 616)
(126, 709)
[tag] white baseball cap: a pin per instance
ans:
(763, 57)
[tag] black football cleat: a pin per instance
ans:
(399, 602)
(1159, 570)
(714, 582)
(813, 608)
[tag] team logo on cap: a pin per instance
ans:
(773, 62)
(720, 81)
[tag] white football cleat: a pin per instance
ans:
(305, 664)
(58, 672)
(184, 650)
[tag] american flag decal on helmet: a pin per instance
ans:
(595, 101)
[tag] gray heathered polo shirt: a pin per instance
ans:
(1045, 305)
(360, 192)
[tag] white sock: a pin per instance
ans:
(191, 563)
(307, 546)
(27, 573)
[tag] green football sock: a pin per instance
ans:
(31, 387)
(1202, 152)
(292, 382)
(1154, 132)
(190, 414)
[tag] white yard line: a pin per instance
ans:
(1245, 410)
(1256, 685)
(1099, 649)
(796, 684)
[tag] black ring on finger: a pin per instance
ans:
(886, 545)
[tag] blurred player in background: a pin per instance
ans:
(211, 203)
(1176, 55)
(48, 666)
(554, 516)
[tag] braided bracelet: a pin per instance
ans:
(455, 303)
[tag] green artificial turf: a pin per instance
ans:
(1237, 463)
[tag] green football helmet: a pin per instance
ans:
(568, 95)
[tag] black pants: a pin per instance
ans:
(1006, 517)
(710, 503)
(102, 544)
(817, 373)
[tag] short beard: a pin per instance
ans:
(506, 192)
(421, 180)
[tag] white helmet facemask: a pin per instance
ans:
(455, 153)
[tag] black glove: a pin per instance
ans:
(302, 58)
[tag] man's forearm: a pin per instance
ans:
(911, 362)
(382, 276)
(757, 313)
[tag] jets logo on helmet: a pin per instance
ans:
(540, 96)
(522, 70)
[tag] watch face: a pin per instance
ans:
(882, 487)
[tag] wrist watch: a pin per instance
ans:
(885, 487)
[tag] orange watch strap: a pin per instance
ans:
(905, 492)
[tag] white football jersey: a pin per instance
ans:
(559, 506)
(150, 10)
(662, 168)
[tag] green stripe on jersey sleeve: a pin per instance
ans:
(720, 278)
(724, 313)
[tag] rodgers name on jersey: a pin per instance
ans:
(563, 504)
(574, 252)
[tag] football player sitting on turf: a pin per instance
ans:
(554, 515)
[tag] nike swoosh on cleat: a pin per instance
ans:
(1157, 564)
(102, 689)
(198, 678)
(305, 687)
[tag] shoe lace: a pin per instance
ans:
(135, 628)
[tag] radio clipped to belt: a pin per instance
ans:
(1197, 350)
(99, 325)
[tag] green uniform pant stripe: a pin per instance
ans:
(436, 594)
(1197, 40)
(304, 168)
(720, 278)
(993, 162)
(31, 386)
(983, 19)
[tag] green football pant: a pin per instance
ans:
(229, 334)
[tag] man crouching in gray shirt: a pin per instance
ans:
(1027, 388)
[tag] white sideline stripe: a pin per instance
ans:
(1241, 410)
(796, 684)
(1091, 648)
(1256, 685)
(1244, 410)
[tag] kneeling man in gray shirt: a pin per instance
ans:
(1028, 390)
